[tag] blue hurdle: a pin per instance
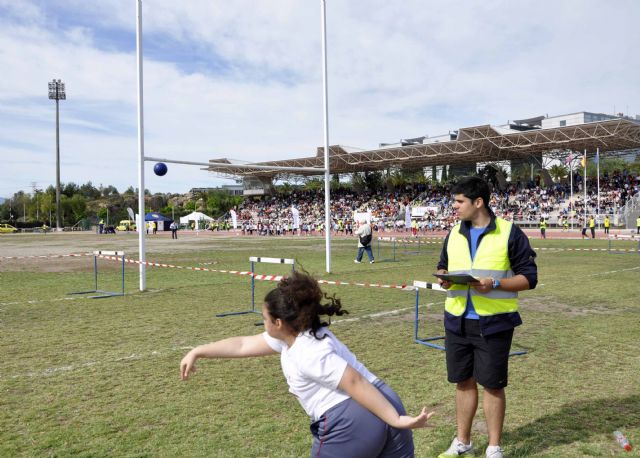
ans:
(391, 240)
(429, 341)
(623, 239)
(254, 261)
(104, 294)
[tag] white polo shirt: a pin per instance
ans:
(313, 369)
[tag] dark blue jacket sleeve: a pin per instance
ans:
(444, 258)
(522, 256)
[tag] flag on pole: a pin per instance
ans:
(568, 159)
(234, 219)
(295, 213)
(583, 161)
(597, 158)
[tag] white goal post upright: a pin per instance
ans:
(325, 104)
(142, 158)
(141, 212)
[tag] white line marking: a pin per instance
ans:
(74, 298)
(613, 271)
(155, 353)
(379, 314)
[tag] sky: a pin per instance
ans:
(242, 79)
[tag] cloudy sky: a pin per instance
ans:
(242, 79)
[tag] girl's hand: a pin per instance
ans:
(187, 365)
(407, 422)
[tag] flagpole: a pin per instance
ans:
(598, 182)
(585, 186)
(572, 205)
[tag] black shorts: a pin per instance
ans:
(485, 358)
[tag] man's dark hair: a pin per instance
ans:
(472, 188)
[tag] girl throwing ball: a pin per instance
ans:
(353, 413)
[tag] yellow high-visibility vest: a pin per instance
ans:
(491, 260)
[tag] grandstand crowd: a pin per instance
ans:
(272, 215)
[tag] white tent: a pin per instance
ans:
(194, 216)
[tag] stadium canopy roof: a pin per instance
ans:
(473, 144)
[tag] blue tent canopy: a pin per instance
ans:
(152, 216)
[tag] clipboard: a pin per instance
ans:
(461, 279)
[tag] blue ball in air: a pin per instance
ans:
(160, 169)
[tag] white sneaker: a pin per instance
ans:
(356, 261)
(494, 451)
(457, 448)
(371, 262)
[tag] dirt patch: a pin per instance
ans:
(75, 264)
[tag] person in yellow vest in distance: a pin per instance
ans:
(543, 228)
(592, 226)
(607, 224)
(480, 316)
(565, 224)
(638, 225)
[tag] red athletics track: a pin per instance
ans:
(533, 233)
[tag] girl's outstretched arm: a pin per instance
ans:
(233, 347)
(367, 395)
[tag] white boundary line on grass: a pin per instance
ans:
(379, 314)
(73, 367)
(137, 356)
(60, 299)
(613, 271)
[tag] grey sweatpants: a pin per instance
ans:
(348, 430)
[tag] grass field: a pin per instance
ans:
(99, 377)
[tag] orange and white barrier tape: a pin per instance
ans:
(258, 276)
(419, 241)
(588, 249)
(365, 285)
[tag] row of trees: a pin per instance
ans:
(89, 203)
(85, 204)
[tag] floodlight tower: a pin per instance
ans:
(57, 93)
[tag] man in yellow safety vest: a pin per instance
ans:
(480, 316)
